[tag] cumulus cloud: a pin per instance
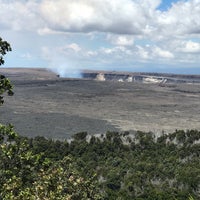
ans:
(122, 16)
(143, 53)
(121, 40)
(190, 47)
(134, 17)
(181, 19)
(19, 15)
(116, 16)
(160, 53)
(118, 51)
(75, 47)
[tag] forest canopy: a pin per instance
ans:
(113, 166)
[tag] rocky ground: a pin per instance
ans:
(46, 105)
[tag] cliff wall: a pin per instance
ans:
(156, 78)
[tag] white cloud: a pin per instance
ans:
(181, 19)
(122, 17)
(134, 17)
(116, 16)
(160, 53)
(19, 15)
(142, 53)
(190, 47)
(75, 47)
(121, 40)
(91, 53)
(118, 51)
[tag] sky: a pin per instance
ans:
(67, 36)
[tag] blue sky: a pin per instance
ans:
(166, 4)
(67, 36)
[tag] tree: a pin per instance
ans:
(5, 85)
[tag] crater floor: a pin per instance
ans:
(57, 108)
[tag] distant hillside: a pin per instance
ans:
(144, 77)
(28, 73)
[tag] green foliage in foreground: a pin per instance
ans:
(5, 85)
(113, 166)
(27, 175)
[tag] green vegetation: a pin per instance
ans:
(113, 166)
(25, 174)
(5, 85)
